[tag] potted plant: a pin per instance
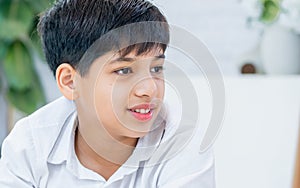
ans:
(280, 42)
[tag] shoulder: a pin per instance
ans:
(187, 166)
(18, 152)
(26, 149)
(21, 132)
(37, 133)
(52, 114)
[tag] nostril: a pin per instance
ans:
(146, 87)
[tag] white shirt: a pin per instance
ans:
(39, 153)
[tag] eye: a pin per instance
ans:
(123, 71)
(157, 69)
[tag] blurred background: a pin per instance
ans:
(257, 46)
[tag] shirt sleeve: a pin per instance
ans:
(18, 158)
(189, 168)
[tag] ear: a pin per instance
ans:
(65, 79)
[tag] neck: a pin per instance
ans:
(98, 151)
(107, 150)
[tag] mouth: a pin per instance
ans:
(142, 112)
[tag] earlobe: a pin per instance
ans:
(65, 79)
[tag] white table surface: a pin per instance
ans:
(256, 147)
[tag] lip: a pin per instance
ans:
(142, 117)
(143, 106)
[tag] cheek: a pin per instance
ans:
(86, 96)
(110, 99)
(161, 88)
(121, 91)
(102, 95)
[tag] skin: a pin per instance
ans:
(104, 97)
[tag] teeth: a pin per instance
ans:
(142, 111)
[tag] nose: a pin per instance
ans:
(147, 87)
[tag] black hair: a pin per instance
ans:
(70, 27)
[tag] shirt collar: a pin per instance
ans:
(63, 144)
(50, 130)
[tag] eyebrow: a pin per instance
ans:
(130, 60)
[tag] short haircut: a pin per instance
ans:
(70, 27)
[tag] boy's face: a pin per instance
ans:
(123, 95)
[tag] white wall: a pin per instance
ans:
(221, 24)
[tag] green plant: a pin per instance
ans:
(270, 10)
(19, 45)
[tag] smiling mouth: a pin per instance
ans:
(142, 112)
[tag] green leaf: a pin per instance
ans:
(27, 100)
(18, 66)
(271, 10)
(15, 19)
(4, 8)
(11, 29)
(3, 48)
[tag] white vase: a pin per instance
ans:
(280, 51)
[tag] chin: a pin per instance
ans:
(134, 134)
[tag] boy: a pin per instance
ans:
(109, 125)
